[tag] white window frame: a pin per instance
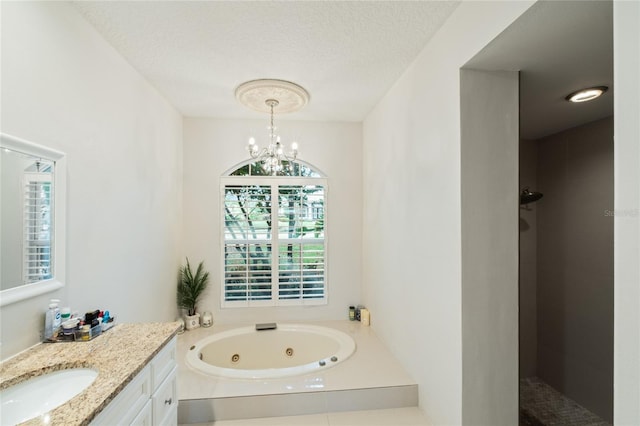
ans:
(274, 182)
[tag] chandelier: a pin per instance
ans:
(264, 96)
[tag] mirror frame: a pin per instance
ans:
(27, 291)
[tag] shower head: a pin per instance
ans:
(527, 196)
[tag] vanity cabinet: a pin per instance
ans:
(164, 399)
(150, 398)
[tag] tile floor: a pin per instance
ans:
(411, 416)
(542, 405)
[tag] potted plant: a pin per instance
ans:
(190, 288)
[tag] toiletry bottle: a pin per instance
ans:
(50, 321)
(352, 313)
(57, 317)
(65, 314)
(358, 309)
(365, 317)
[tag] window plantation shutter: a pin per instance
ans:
(274, 241)
(301, 243)
(247, 234)
(36, 228)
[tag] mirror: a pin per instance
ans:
(32, 219)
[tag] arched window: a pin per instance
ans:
(274, 236)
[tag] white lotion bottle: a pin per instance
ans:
(53, 320)
(48, 321)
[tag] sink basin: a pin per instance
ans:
(41, 394)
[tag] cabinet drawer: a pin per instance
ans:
(163, 363)
(165, 400)
(125, 407)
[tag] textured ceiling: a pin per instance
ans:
(347, 54)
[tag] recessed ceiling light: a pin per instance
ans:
(588, 94)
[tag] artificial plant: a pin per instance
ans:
(191, 286)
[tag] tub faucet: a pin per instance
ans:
(266, 326)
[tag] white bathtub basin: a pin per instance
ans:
(288, 350)
(41, 394)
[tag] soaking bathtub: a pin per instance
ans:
(286, 350)
(369, 378)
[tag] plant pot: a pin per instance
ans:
(192, 321)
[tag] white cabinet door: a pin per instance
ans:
(165, 402)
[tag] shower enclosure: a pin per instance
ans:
(566, 277)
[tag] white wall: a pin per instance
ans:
(626, 48)
(213, 146)
(412, 243)
(63, 86)
(489, 204)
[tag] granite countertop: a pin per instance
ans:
(118, 355)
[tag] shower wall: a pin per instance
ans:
(528, 336)
(574, 255)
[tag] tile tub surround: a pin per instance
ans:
(371, 376)
(118, 355)
(410, 416)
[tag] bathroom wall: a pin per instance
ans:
(412, 212)
(575, 264)
(528, 273)
(213, 146)
(63, 86)
(626, 58)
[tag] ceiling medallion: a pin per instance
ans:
(254, 94)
